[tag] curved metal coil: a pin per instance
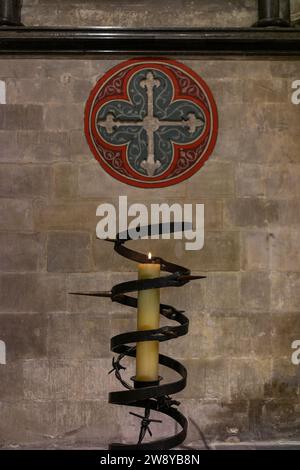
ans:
(150, 396)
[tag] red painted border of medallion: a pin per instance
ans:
(142, 183)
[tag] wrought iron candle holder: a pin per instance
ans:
(149, 395)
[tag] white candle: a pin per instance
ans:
(147, 352)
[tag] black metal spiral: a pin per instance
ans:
(150, 396)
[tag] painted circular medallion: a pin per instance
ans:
(151, 123)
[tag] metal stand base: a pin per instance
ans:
(143, 384)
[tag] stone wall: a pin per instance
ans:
(135, 13)
(244, 316)
(295, 11)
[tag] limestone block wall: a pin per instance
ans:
(138, 13)
(244, 316)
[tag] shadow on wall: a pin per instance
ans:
(274, 416)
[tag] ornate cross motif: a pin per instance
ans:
(150, 123)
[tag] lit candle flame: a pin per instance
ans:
(149, 256)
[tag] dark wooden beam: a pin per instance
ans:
(158, 41)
